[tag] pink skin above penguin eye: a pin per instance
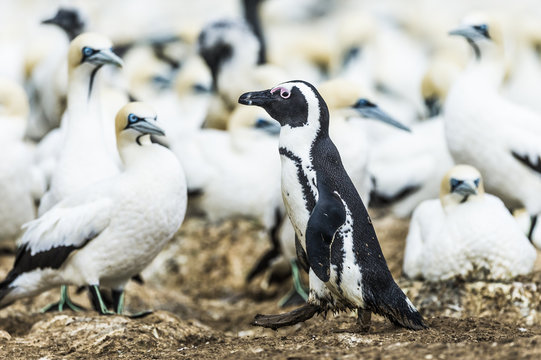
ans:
(284, 93)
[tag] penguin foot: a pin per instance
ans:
(64, 303)
(287, 319)
(363, 320)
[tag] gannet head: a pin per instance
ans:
(352, 100)
(135, 120)
(483, 33)
(13, 99)
(461, 184)
(92, 50)
(437, 80)
(254, 118)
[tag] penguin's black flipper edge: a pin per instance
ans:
(328, 215)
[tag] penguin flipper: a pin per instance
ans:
(328, 215)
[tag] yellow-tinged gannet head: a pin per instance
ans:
(484, 33)
(13, 99)
(93, 49)
(136, 119)
(462, 183)
(341, 94)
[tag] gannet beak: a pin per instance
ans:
(465, 188)
(147, 126)
(371, 111)
(271, 127)
(105, 56)
(472, 32)
(256, 98)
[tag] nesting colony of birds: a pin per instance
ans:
(120, 120)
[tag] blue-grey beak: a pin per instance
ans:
(271, 127)
(370, 110)
(464, 188)
(105, 56)
(472, 32)
(146, 126)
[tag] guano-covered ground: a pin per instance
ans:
(203, 310)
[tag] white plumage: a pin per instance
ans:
(114, 227)
(500, 138)
(87, 137)
(466, 233)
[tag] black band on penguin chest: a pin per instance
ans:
(308, 195)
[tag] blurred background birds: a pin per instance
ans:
(460, 77)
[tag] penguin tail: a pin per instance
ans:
(397, 307)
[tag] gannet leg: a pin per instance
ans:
(97, 301)
(298, 293)
(64, 302)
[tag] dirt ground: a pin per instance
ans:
(203, 309)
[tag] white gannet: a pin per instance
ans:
(21, 183)
(88, 152)
(466, 233)
(110, 231)
(86, 156)
(484, 129)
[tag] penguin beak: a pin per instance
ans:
(105, 56)
(370, 110)
(147, 126)
(256, 98)
(465, 188)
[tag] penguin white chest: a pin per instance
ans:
(298, 190)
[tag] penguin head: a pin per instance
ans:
(135, 120)
(68, 19)
(13, 100)
(483, 33)
(293, 104)
(227, 41)
(461, 184)
(91, 50)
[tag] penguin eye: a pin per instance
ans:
(87, 51)
(284, 93)
(476, 182)
(132, 118)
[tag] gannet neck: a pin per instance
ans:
(84, 126)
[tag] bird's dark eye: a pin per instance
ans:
(455, 183)
(482, 29)
(285, 94)
(476, 182)
(364, 103)
(87, 51)
(132, 118)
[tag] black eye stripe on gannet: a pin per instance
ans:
(92, 76)
(308, 195)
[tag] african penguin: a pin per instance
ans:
(336, 241)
